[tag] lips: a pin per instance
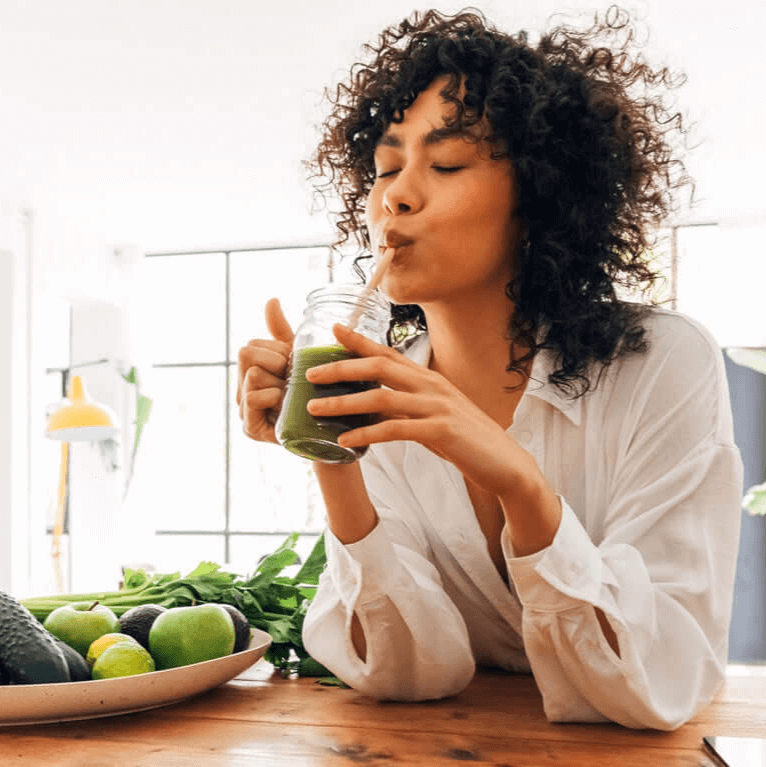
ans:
(396, 240)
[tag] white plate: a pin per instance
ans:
(66, 702)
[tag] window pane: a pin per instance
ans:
(184, 308)
(257, 276)
(270, 488)
(180, 471)
(185, 552)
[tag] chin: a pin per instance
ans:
(400, 291)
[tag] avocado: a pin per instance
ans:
(79, 670)
(241, 628)
(5, 677)
(27, 651)
(137, 622)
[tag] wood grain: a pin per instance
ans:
(262, 718)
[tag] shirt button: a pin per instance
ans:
(525, 436)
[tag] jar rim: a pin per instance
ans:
(350, 291)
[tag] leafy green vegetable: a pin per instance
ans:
(271, 601)
(143, 411)
(755, 500)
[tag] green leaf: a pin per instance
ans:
(270, 567)
(309, 667)
(280, 630)
(279, 655)
(132, 579)
(308, 592)
(131, 376)
(143, 411)
(204, 568)
(755, 500)
(749, 358)
(314, 565)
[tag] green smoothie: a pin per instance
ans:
(300, 432)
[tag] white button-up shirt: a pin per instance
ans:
(650, 482)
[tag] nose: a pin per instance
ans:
(403, 195)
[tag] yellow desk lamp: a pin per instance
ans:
(78, 419)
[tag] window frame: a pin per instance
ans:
(228, 532)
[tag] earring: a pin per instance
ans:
(525, 247)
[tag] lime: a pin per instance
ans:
(122, 659)
(102, 643)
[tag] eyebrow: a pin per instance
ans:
(435, 136)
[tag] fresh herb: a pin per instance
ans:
(272, 602)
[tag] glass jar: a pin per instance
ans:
(315, 344)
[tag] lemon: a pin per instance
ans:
(122, 659)
(102, 643)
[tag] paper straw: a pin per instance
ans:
(380, 270)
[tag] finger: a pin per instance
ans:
(257, 413)
(277, 323)
(386, 370)
(262, 399)
(272, 356)
(410, 430)
(258, 377)
(272, 359)
(384, 402)
(359, 344)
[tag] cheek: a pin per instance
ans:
(372, 210)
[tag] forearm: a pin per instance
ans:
(532, 510)
(350, 513)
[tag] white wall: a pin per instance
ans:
(14, 407)
(184, 123)
(177, 123)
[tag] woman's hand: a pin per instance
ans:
(262, 372)
(420, 405)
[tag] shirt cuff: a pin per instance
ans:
(569, 570)
(363, 571)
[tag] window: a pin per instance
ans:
(214, 494)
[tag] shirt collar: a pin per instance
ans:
(419, 350)
(540, 387)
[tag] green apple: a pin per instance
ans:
(79, 624)
(184, 635)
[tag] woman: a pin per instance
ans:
(552, 484)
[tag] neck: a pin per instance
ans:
(470, 347)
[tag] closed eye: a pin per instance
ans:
(438, 168)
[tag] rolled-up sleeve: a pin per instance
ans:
(663, 571)
(417, 644)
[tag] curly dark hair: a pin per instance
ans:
(591, 142)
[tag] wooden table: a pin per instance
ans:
(263, 719)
